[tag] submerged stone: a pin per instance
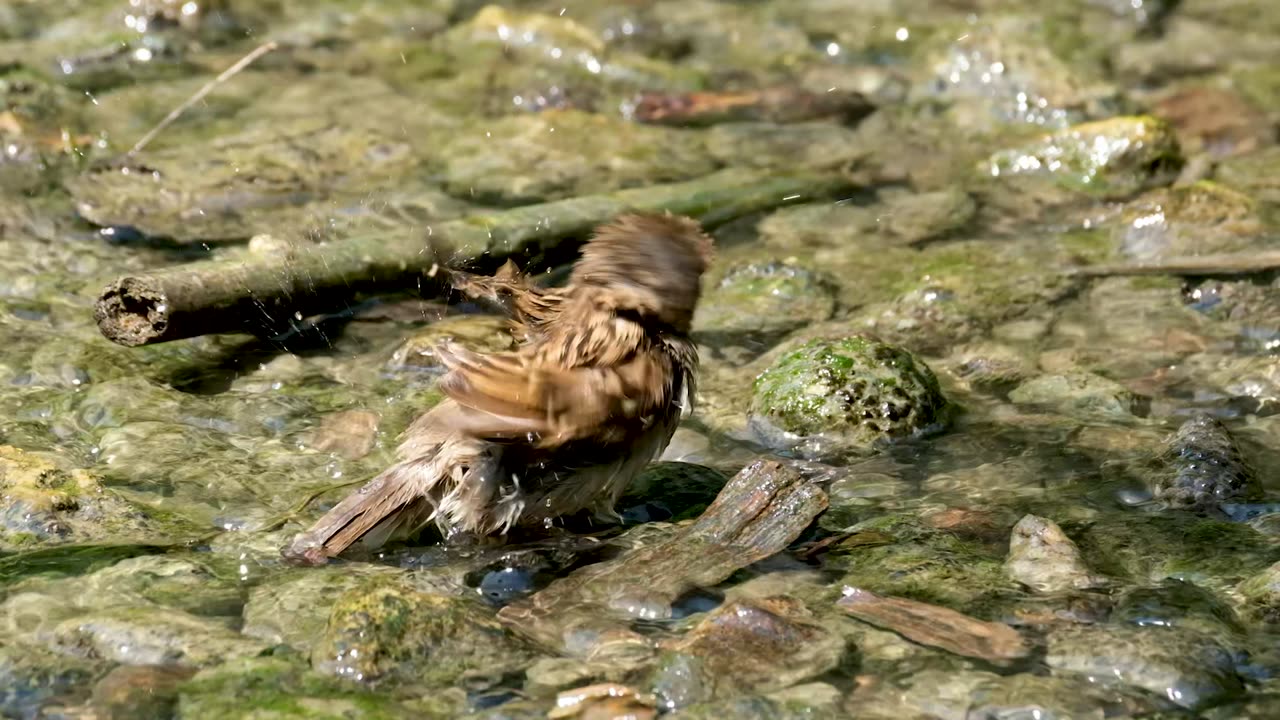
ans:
(857, 387)
(1204, 468)
(765, 298)
(391, 631)
(1043, 558)
(758, 646)
(1198, 219)
(671, 491)
(1108, 158)
(30, 676)
(138, 691)
(279, 688)
(1002, 71)
(294, 608)
(1081, 393)
(1188, 668)
(566, 153)
(150, 635)
(967, 694)
(1261, 594)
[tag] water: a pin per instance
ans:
(145, 492)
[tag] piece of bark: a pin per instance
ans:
(937, 627)
(268, 294)
(778, 104)
(757, 514)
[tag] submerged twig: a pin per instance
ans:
(200, 94)
(1247, 263)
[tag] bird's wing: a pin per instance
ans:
(528, 306)
(517, 395)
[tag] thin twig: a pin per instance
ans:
(227, 74)
(1246, 263)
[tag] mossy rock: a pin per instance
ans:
(389, 631)
(278, 689)
(1261, 594)
(1215, 554)
(766, 297)
(857, 387)
(902, 556)
(1198, 219)
(1111, 158)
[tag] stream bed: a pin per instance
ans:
(1037, 491)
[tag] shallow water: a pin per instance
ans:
(145, 492)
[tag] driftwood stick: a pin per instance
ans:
(268, 293)
(757, 514)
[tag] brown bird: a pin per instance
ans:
(604, 373)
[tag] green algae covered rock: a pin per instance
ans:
(391, 631)
(1108, 158)
(856, 386)
(273, 687)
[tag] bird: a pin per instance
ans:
(603, 371)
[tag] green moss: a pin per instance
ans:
(924, 564)
(855, 386)
(279, 688)
(1149, 548)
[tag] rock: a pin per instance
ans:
(1111, 158)
(278, 689)
(348, 433)
(259, 180)
(1003, 71)
(293, 608)
(1188, 668)
(1179, 604)
(913, 218)
(990, 368)
(903, 555)
(1044, 559)
(970, 694)
(566, 153)
(757, 646)
(1197, 219)
(1215, 120)
(30, 676)
(153, 636)
(1081, 394)
(1149, 548)
(1251, 174)
(138, 691)
(606, 700)
(1204, 468)
(171, 580)
(807, 146)
(857, 387)
(36, 491)
(765, 298)
(671, 491)
(390, 631)
(1261, 594)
